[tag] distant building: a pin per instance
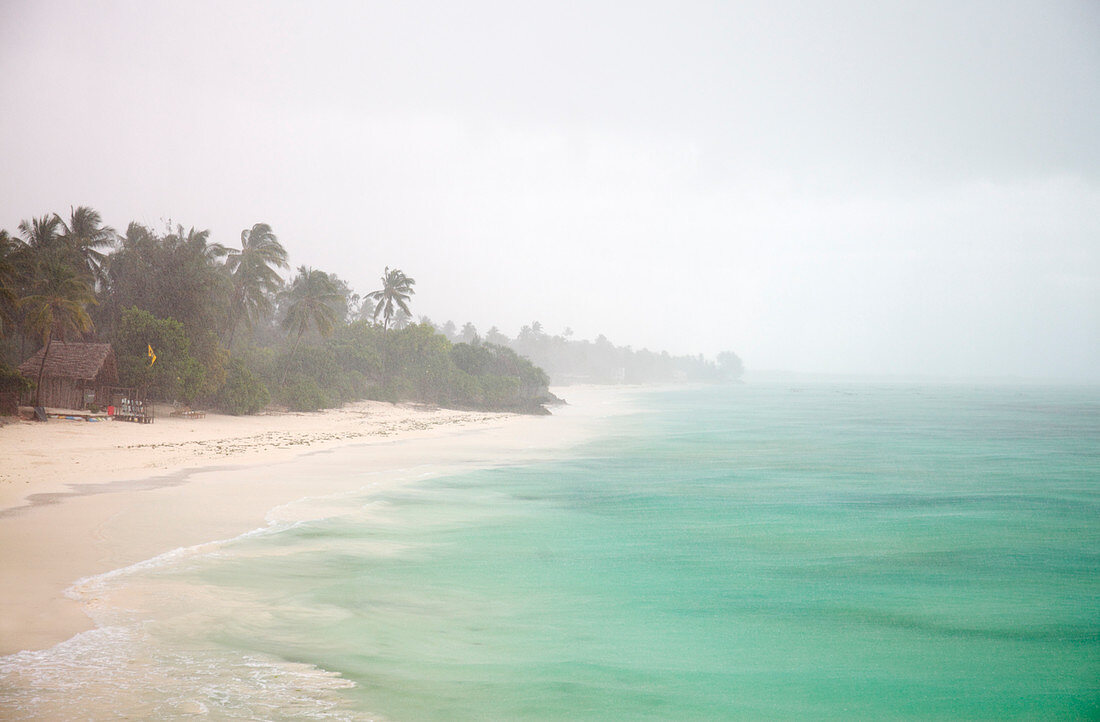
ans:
(76, 375)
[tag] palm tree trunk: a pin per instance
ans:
(286, 369)
(234, 317)
(41, 370)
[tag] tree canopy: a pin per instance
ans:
(229, 331)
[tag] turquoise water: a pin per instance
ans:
(754, 552)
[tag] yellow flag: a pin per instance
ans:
(152, 356)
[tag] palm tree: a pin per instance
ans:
(365, 310)
(41, 246)
(41, 241)
(254, 276)
(401, 319)
(494, 336)
(197, 242)
(84, 235)
(56, 308)
(314, 298)
(9, 249)
(396, 289)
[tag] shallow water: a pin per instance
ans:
(777, 551)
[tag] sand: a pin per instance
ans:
(79, 499)
(50, 458)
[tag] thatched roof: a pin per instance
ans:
(75, 361)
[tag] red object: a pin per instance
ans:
(110, 410)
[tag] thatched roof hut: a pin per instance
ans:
(76, 375)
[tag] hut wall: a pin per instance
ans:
(103, 383)
(58, 392)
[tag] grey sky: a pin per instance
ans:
(839, 187)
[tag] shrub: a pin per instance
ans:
(302, 393)
(175, 375)
(13, 381)
(242, 392)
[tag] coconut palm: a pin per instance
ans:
(255, 278)
(314, 298)
(41, 241)
(196, 242)
(193, 284)
(365, 310)
(84, 235)
(9, 249)
(401, 319)
(396, 290)
(56, 307)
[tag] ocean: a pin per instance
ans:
(758, 551)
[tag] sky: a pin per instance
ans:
(838, 187)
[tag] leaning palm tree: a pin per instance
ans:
(313, 299)
(395, 291)
(255, 278)
(56, 307)
(84, 236)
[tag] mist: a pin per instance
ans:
(852, 188)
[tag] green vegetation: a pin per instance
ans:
(601, 362)
(227, 330)
(396, 289)
(230, 332)
(176, 373)
(242, 392)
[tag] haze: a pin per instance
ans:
(849, 187)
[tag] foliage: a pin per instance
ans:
(730, 366)
(567, 360)
(254, 274)
(358, 347)
(242, 392)
(56, 305)
(176, 275)
(85, 238)
(396, 289)
(13, 381)
(503, 378)
(9, 250)
(310, 344)
(314, 299)
(302, 393)
(176, 374)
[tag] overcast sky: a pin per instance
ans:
(862, 187)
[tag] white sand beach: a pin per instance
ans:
(79, 499)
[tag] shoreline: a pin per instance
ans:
(61, 456)
(179, 483)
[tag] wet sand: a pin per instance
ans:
(79, 499)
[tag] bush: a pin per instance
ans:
(302, 393)
(242, 392)
(350, 386)
(13, 381)
(175, 375)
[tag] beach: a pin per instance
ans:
(78, 499)
(757, 551)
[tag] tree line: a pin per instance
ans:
(568, 360)
(228, 331)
